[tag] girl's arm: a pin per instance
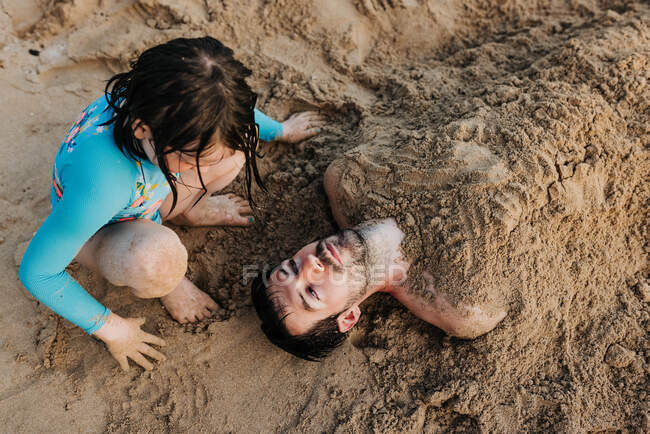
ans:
(91, 198)
(94, 191)
(270, 129)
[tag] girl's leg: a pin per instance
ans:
(187, 302)
(150, 259)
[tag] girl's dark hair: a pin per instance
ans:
(314, 345)
(186, 90)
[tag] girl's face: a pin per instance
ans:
(180, 161)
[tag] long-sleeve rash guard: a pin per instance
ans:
(93, 184)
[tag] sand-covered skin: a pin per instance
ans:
(520, 130)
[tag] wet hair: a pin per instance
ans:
(186, 90)
(314, 345)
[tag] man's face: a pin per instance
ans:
(319, 281)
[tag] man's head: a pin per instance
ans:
(309, 301)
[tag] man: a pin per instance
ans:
(309, 302)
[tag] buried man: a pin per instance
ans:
(309, 301)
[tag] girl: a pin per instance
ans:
(167, 134)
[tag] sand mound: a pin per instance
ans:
(514, 136)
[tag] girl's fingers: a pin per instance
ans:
(212, 306)
(151, 352)
(307, 116)
(124, 364)
(315, 117)
(311, 132)
(207, 313)
(242, 221)
(313, 125)
(245, 210)
(309, 127)
(140, 360)
(235, 198)
(151, 339)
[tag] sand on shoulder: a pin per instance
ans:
(508, 139)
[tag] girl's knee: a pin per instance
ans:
(158, 264)
(149, 258)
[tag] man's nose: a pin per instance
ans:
(313, 265)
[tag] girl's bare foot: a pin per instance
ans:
(187, 303)
(222, 210)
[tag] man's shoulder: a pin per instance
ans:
(387, 228)
(384, 224)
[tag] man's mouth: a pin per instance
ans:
(330, 248)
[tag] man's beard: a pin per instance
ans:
(355, 271)
(349, 241)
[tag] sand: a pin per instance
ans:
(508, 138)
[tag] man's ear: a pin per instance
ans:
(347, 319)
(141, 130)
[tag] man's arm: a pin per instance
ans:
(462, 321)
(330, 182)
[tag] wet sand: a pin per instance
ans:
(514, 137)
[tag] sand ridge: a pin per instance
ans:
(521, 130)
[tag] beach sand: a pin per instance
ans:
(508, 138)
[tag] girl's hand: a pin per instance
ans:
(124, 338)
(301, 126)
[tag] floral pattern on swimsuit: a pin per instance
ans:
(148, 195)
(150, 186)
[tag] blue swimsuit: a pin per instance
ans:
(93, 184)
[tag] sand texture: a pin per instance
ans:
(509, 139)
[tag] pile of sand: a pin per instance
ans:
(514, 136)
